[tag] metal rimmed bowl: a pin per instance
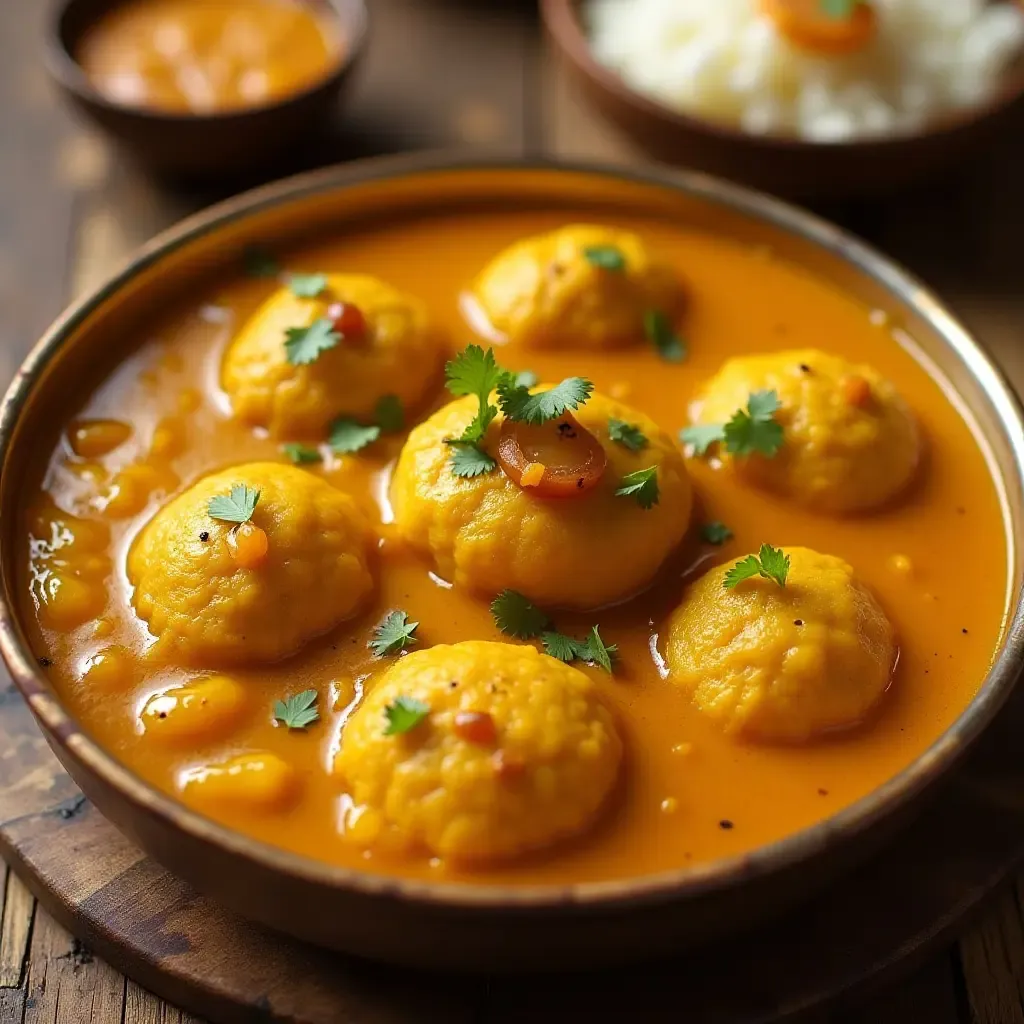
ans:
(783, 165)
(215, 144)
(492, 927)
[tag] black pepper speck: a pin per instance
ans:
(798, 622)
(725, 823)
(45, 662)
(204, 536)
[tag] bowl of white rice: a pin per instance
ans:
(806, 97)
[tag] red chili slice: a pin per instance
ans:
(348, 321)
(557, 459)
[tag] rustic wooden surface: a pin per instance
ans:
(440, 72)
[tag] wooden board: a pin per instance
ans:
(879, 921)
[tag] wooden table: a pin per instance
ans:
(441, 73)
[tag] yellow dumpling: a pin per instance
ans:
(582, 286)
(514, 752)
(850, 441)
(207, 608)
(398, 354)
(488, 533)
(782, 663)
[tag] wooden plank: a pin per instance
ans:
(19, 909)
(142, 1007)
(66, 983)
(992, 959)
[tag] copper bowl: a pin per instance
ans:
(206, 145)
(466, 926)
(785, 166)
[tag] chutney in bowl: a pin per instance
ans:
(510, 566)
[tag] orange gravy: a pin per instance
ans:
(937, 559)
(207, 56)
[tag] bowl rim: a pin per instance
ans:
(669, 886)
(563, 22)
(60, 62)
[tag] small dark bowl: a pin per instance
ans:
(205, 145)
(787, 166)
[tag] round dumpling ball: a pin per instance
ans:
(783, 663)
(217, 593)
(582, 286)
(508, 751)
(490, 532)
(385, 347)
(850, 442)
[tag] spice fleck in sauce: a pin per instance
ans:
(688, 793)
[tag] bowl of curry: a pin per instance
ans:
(509, 566)
(200, 90)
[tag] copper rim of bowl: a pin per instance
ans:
(351, 15)
(562, 19)
(682, 883)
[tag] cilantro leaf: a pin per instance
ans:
(526, 379)
(297, 711)
(641, 485)
(629, 435)
(595, 651)
(307, 286)
(702, 436)
(516, 615)
(605, 257)
(519, 405)
(389, 414)
(838, 9)
(469, 461)
(474, 372)
(770, 563)
(257, 262)
(559, 646)
(404, 714)
(304, 345)
(754, 429)
(301, 454)
(347, 436)
(592, 650)
(394, 633)
(662, 335)
(236, 507)
(715, 533)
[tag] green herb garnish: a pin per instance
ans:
(520, 406)
(348, 436)
(236, 507)
(662, 335)
(301, 454)
(770, 563)
(750, 430)
(394, 633)
(473, 372)
(307, 286)
(629, 435)
(404, 714)
(642, 486)
(304, 345)
(715, 533)
(605, 257)
(516, 615)
(297, 711)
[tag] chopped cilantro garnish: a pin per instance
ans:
(236, 507)
(404, 714)
(606, 257)
(307, 286)
(662, 335)
(297, 711)
(393, 634)
(347, 436)
(715, 533)
(750, 430)
(474, 372)
(257, 262)
(592, 650)
(518, 616)
(641, 485)
(389, 414)
(301, 454)
(770, 563)
(629, 435)
(469, 461)
(519, 405)
(559, 646)
(304, 345)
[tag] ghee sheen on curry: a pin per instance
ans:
(571, 547)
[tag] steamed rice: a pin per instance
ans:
(725, 61)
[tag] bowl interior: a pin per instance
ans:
(64, 364)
